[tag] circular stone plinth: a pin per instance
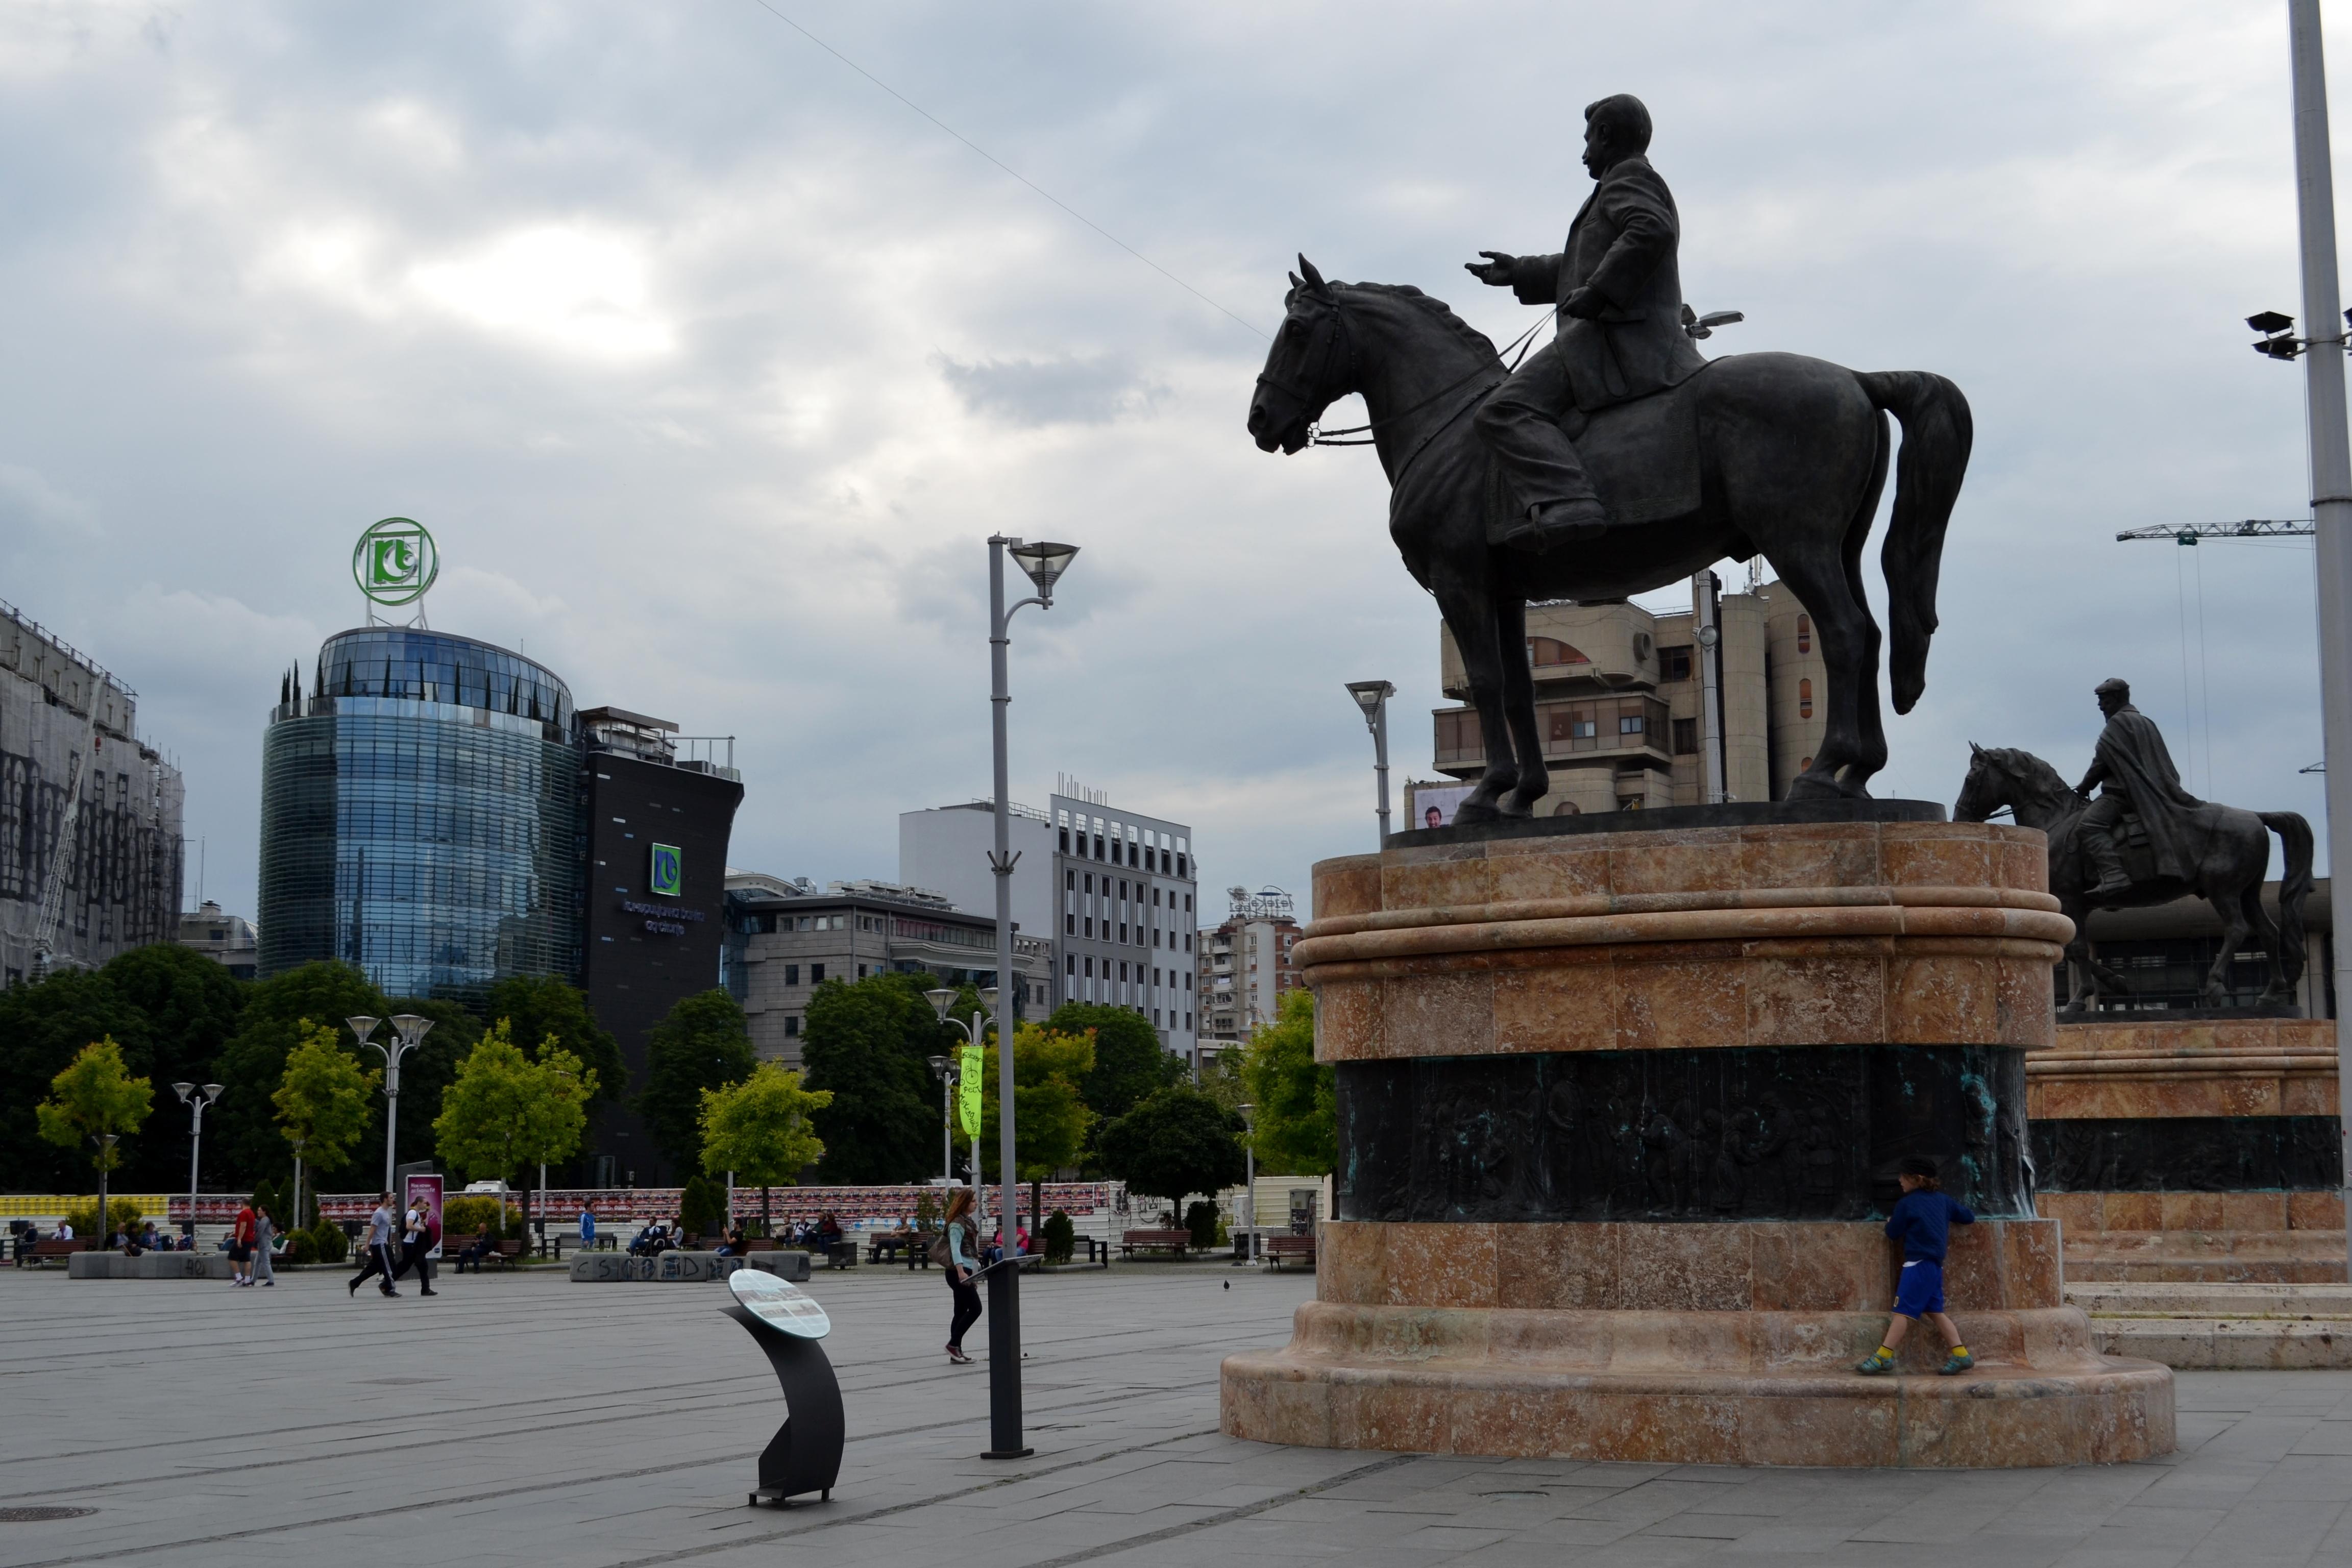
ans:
(1619, 1115)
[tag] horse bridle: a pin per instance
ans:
(1331, 343)
(1318, 437)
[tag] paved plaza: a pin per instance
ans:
(528, 1420)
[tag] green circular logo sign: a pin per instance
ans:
(395, 561)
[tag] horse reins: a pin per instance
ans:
(1318, 437)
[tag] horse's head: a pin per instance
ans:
(1985, 790)
(1306, 369)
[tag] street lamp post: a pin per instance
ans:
(409, 1031)
(944, 1071)
(1372, 698)
(195, 1097)
(2330, 450)
(294, 1220)
(1044, 564)
(1249, 1181)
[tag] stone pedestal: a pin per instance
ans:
(1619, 1115)
(2199, 1150)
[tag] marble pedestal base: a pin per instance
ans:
(1704, 1344)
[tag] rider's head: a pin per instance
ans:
(2113, 695)
(1615, 128)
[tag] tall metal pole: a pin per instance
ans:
(1381, 764)
(2331, 498)
(1709, 637)
(1004, 1283)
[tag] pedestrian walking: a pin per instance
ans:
(240, 1247)
(417, 1235)
(955, 1252)
(1922, 1222)
(379, 1248)
(263, 1233)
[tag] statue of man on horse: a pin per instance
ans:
(1618, 292)
(2140, 780)
(2194, 849)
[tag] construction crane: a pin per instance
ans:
(2250, 527)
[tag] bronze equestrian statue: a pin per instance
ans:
(1619, 459)
(1618, 292)
(2146, 840)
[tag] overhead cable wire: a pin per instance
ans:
(1008, 168)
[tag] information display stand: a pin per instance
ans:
(804, 1456)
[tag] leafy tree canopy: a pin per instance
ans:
(242, 1137)
(1129, 1061)
(92, 1097)
(1174, 1142)
(324, 1098)
(702, 1043)
(762, 1129)
(1049, 1115)
(541, 1006)
(43, 1027)
(868, 1045)
(191, 1004)
(507, 1111)
(1296, 1097)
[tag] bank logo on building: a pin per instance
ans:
(395, 561)
(669, 876)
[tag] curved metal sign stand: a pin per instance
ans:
(804, 1456)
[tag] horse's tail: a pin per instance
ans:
(1936, 434)
(2294, 835)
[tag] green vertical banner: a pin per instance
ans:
(970, 1078)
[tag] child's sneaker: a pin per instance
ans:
(1956, 1362)
(1875, 1364)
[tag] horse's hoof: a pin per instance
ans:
(1470, 812)
(1814, 786)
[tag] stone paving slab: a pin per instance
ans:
(517, 1419)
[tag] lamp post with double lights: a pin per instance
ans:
(1372, 699)
(195, 1097)
(945, 1072)
(409, 1032)
(1044, 563)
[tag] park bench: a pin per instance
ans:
(1295, 1248)
(915, 1244)
(43, 1251)
(502, 1253)
(1134, 1241)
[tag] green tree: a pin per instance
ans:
(1174, 1142)
(43, 1026)
(505, 1111)
(242, 1137)
(426, 1074)
(762, 1129)
(191, 1007)
(323, 1101)
(1049, 1116)
(701, 1043)
(868, 1045)
(95, 1102)
(1297, 1113)
(1129, 1061)
(542, 1007)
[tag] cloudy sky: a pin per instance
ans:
(711, 364)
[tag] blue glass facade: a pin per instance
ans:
(421, 817)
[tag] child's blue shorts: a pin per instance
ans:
(1921, 1288)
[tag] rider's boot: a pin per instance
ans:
(1547, 526)
(2109, 862)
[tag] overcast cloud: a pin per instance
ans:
(710, 365)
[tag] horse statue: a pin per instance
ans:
(2230, 848)
(1785, 456)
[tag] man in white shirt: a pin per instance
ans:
(379, 1248)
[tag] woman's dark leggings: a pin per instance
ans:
(967, 1308)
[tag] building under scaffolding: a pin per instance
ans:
(91, 855)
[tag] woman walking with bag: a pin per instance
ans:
(954, 1252)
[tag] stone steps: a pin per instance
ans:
(2221, 1326)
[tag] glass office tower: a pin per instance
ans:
(420, 815)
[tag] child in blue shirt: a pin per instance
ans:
(1922, 1222)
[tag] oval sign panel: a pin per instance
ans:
(395, 561)
(781, 1303)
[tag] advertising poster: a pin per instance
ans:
(424, 1194)
(971, 1075)
(1432, 805)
